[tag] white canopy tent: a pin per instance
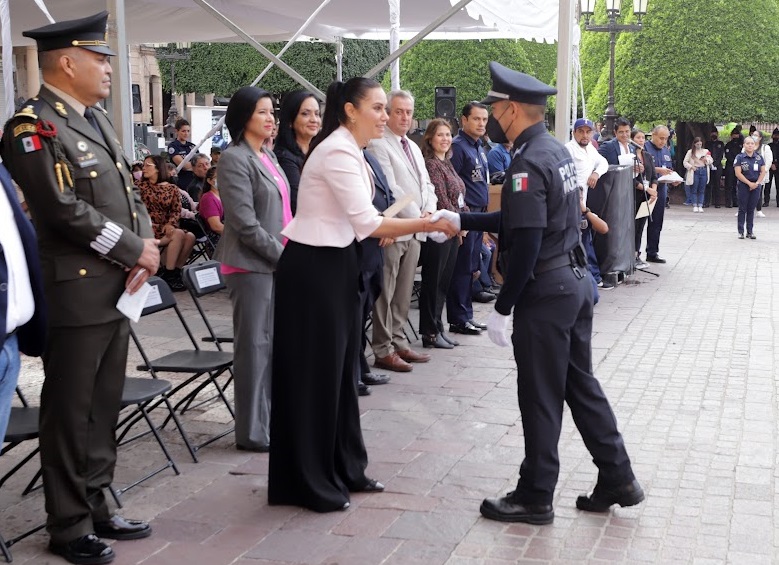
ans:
(161, 21)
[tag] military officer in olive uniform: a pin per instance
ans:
(95, 241)
(545, 283)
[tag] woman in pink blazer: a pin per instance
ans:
(317, 453)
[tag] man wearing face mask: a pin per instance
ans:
(545, 284)
(717, 150)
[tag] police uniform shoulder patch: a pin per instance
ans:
(171, 150)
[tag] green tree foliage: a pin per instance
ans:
(688, 64)
(223, 68)
(543, 59)
(462, 64)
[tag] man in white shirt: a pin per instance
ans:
(21, 294)
(590, 166)
(403, 165)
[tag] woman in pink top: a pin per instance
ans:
(255, 199)
(318, 456)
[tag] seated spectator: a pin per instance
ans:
(200, 165)
(137, 170)
(216, 153)
(299, 122)
(210, 208)
(483, 284)
(163, 201)
(188, 221)
(499, 158)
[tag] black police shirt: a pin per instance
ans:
(750, 166)
(540, 192)
(176, 147)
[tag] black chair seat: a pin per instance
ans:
(197, 361)
(22, 425)
(138, 390)
(220, 338)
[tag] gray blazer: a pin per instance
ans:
(253, 210)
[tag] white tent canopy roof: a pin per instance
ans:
(163, 21)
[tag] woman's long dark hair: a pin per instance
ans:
(240, 109)
(427, 146)
(339, 93)
(162, 167)
(290, 107)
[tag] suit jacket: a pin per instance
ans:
(405, 177)
(88, 232)
(611, 151)
(253, 210)
(32, 334)
(372, 254)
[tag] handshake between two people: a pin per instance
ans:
(449, 225)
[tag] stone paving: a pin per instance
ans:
(687, 360)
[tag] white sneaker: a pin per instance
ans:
(760, 214)
(700, 209)
(694, 208)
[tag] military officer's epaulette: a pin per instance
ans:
(31, 109)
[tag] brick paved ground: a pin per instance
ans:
(687, 360)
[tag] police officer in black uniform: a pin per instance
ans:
(95, 241)
(545, 283)
(717, 149)
(180, 148)
(732, 148)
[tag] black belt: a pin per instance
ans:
(565, 260)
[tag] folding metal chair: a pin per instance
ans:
(195, 362)
(140, 393)
(201, 280)
(22, 426)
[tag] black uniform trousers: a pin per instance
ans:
(552, 334)
(317, 454)
(438, 261)
(767, 187)
(713, 192)
(459, 303)
(731, 198)
(80, 401)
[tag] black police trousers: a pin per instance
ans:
(552, 347)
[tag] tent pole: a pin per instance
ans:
(121, 107)
(339, 58)
(262, 49)
(564, 68)
(414, 40)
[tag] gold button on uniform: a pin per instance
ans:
(93, 174)
(82, 272)
(129, 190)
(118, 165)
(135, 215)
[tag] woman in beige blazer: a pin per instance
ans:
(255, 198)
(317, 456)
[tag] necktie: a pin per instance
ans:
(90, 117)
(407, 151)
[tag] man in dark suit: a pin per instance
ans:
(95, 241)
(22, 308)
(620, 145)
(371, 271)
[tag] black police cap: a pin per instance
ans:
(508, 84)
(88, 33)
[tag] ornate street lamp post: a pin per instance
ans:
(173, 57)
(612, 28)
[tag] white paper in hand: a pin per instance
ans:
(671, 177)
(131, 305)
(626, 159)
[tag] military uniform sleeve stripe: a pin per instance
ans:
(107, 239)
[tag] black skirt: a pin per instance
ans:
(317, 452)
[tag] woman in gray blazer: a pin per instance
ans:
(255, 197)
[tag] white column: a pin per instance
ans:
(32, 72)
(564, 68)
(121, 103)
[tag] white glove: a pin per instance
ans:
(437, 236)
(498, 329)
(446, 215)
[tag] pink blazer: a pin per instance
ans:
(335, 204)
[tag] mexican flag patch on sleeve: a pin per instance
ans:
(519, 182)
(29, 143)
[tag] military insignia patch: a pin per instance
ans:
(82, 145)
(60, 107)
(29, 144)
(24, 128)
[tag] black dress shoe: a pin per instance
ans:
(122, 529)
(751, 236)
(436, 341)
(476, 324)
(371, 486)
(86, 550)
(655, 259)
(374, 379)
(483, 297)
(449, 339)
(602, 498)
(466, 329)
(363, 389)
(505, 509)
(254, 449)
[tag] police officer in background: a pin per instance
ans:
(732, 149)
(180, 148)
(95, 241)
(717, 148)
(545, 284)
